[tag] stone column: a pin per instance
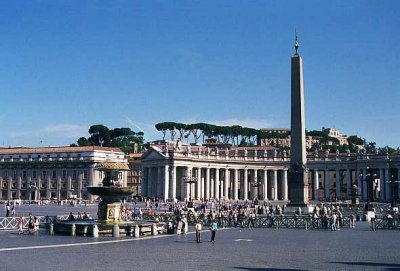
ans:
(80, 185)
(216, 183)
(173, 184)
(188, 185)
(207, 183)
(253, 177)
(212, 182)
(19, 186)
(166, 182)
(364, 185)
(144, 182)
(1, 187)
(198, 184)
(274, 185)
(159, 188)
(359, 179)
(58, 188)
(245, 185)
(327, 184)
(338, 192)
(265, 185)
(203, 185)
(316, 185)
(382, 185)
(235, 184)
(150, 182)
(388, 185)
(69, 185)
(348, 183)
(226, 184)
(284, 185)
(398, 184)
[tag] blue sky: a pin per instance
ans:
(66, 65)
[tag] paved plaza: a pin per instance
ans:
(234, 249)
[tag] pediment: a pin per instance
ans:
(153, 153)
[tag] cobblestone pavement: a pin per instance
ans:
(234, 249)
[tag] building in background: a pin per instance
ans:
(56, 173)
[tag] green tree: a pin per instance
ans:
(83, 141)
(99, 135)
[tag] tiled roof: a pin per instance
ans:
(113, 165)
(18, 150)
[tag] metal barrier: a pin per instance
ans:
(11, 223)
(383, 223)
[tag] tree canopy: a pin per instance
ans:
(101, 135)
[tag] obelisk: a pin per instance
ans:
(298, 183)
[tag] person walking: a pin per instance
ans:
(199, 227)
(213, 228)
(334, 220)
(21, 222)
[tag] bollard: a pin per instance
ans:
(73, 230)
(137, 231)
(95, 231)
(129, 231)
(154, 229)
(306, 225)
(51, 229)
(115, 231)
(85, 230)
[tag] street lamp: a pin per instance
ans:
(393, 181)
(257, 183)
(189, 179)
(369, 179)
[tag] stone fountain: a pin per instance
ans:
(110, 209)
(111, 193)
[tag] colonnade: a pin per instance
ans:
(230, 183)
(374, 184)
(246, 183)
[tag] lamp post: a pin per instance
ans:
(257, 183)
(393, 182)
(189, 179)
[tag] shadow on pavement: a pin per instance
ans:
(265, 269)
(390, 266)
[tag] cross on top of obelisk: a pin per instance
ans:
(296, 43)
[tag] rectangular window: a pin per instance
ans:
(34, 174)
(53, 185)
(42, 185)
(74, 175)
(54, 174)
(15, 175)
(64, 174)
(24, 174)
(85, 174)
(6, 174)
(63, 185)
(44, 174)
(13, 185)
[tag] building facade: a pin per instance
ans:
(238, 173)
(54, 172)
(134, 177)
